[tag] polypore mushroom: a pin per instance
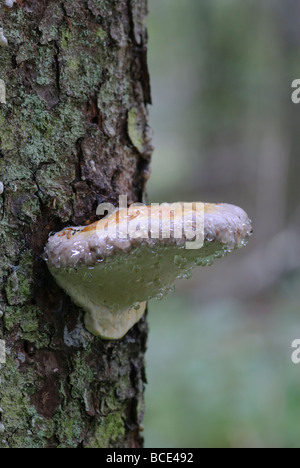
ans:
(112, 267)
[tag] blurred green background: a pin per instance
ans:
(219, 354)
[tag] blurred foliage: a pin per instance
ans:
(219, 358)
(221, 376)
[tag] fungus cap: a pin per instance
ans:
(3, 40)
(112, 267)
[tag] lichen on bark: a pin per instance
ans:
(75, 73)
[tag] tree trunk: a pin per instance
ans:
(73, 133)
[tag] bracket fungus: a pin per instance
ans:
(112, 267)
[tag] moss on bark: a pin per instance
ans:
(75, 75)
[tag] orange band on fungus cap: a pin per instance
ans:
(110, 270)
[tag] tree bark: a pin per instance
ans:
(73, 133)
